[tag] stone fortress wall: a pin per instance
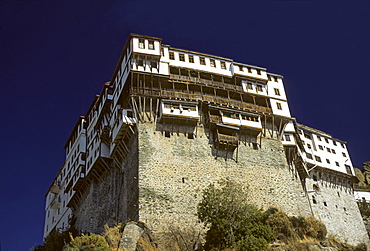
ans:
(162, 179)
(174, 170)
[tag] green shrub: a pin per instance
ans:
(252, 243)
(280, 223)
(231, 220)
(314, 228)
(361, 247)
(93, 242)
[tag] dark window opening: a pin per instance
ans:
(255, 146)
(316, 188)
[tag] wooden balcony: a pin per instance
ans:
(167, 94)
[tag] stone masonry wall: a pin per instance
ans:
(333, 202)
(113, 197)
(174, 170)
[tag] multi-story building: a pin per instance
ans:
(171, 121)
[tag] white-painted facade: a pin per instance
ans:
(321, 149)
(362, 195)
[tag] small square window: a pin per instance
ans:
(269, 77)
(275, 79)
(309, 146)
(259, 88)
(141, 43)
(328, 161)
(336, 163)
(333, 151)
(319, 138)
(307, 136)
(223, 65)
(140, 62)
(258, 71)
(278, 105)
(334, 143)
(191, 58)
(317, 158)
(249, 86)
(320, 147)
(344, 154)
(151, 45)
(172, 55)
(240, 68)
(277, 91)
(249, 70)
(326, 140)
(342, 145)
(328, 149)
(212, 63)
(287, 138)
(182, 57)
(309, 155)
(202, 61)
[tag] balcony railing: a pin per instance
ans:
(199, 97)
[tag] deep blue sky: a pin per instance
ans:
(55, 56)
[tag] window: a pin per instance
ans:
(317, 158)
(314, 200)
(348, 169)
(259, 88)
(141, 43)
(275, 79)
(202, 61)
(269, 77)
(342, 145)
(240, 68)
(162, 51)
(287, 137)
(336, 163)
(326, 140)
(249, 86)
(223, 65)
(172, 55)
(318, 137)
(316, 188)
(277, 91)
(328, 149)
(151, 45)
(344, 154)
(309, 155)
(320, 147)
(278, 105)
(140, 62)
(334, 143)
(309, 146)
(191, 58)
(249, 70)
(307, 136)
(328, 161)
(258, 71)
(333, 151)
(182, 57)
(212, 62)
